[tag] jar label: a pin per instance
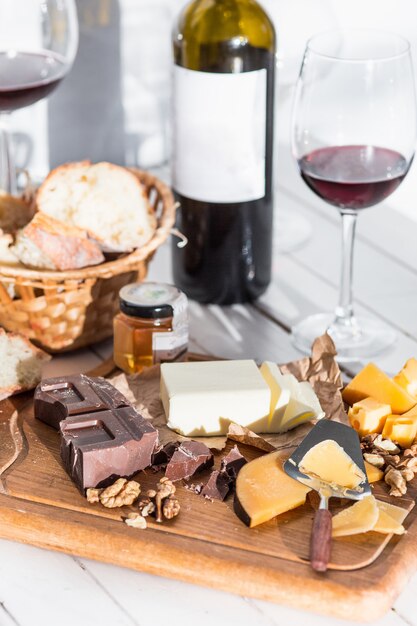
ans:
(170, 346)
(219, 135)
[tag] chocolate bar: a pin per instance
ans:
(97, 448)
(232, 463)
(191, 457)
(58, 398)
(102, 436)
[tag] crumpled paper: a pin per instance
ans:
(320, 370)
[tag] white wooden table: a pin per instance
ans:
(41, 587)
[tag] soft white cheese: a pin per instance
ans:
(292, 402)
(202, 398)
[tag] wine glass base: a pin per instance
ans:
(364, 339)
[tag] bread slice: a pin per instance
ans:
(21, 364)
(7, 257)
(48, 243)
(106, 200)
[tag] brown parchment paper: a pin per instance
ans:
(320, 370)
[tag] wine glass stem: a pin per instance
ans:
(7, 167)
(344, 311)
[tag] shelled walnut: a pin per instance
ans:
(122, 492)
(399, 466)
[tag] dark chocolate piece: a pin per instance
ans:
(162, 457)
(99, 447)
(217, 487)
(58, 398)
(232, 463)
(191, 457)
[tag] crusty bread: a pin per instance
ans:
(14, 212)
(7, 257)
(47, 243)
(21, 364)
(106, 200)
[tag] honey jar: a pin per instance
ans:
(152, 326)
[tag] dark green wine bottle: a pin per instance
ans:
(224, 52)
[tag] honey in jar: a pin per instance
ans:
(152, 326)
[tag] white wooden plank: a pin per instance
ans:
(405, 605)
(295, 292)
(6, 618)
(292, 617)
(152, 599)
(42, 587)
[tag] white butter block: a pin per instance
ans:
(202, 398)
(292, 402)
(280, 396)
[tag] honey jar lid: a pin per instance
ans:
(150, 300)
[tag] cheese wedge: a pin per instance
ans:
(264, 490)
(330, 463)
(401, 428)
(373, 473)
(407, 377)
(390, 519)
(292, 402)
(368, 416)
(373, 382)
(367, 515)
(361, 517)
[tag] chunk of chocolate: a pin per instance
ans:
(162, 457)
(233, 462)
(99, 447)
(217, 487)
(191, 457)
(58, 398)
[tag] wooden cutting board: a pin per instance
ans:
(207, 544)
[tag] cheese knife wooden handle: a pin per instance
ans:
(321, 540)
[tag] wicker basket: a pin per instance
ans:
(62, 311)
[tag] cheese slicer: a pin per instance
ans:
(335, 468)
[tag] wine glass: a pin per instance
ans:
(354, 131)
(38, 43)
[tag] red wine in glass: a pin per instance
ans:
(353, 177)
(26, 77)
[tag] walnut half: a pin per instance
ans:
(121, 493)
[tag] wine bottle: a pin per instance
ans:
(223, 109)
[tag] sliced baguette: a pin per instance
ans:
(21, 364)
(48, 243)
(7, 257)
(106, 200)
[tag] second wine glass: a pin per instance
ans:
(354, 130)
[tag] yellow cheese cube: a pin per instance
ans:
(373, 473)
(373, 382)
(401, 428)
(407, 377)
(368, 416)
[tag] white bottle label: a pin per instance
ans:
(219, 135)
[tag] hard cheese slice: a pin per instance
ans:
(330, 463)
(202, 398)
(373, 382)
(401, 428)
(368, 416)
(264, 490)
(407, 377)
(390, 519)
(369, 514)
(292, 402)
(358, 518)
